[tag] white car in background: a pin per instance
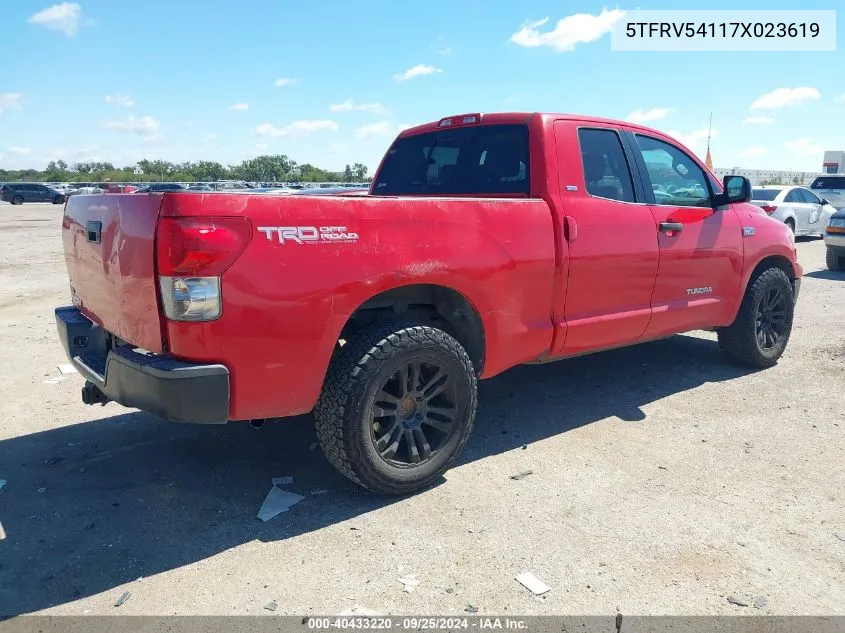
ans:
(797, 207)
(832, 188)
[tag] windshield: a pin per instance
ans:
(479, 160)
(764, 194)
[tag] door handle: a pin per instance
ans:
(571, 228)
(671, 227)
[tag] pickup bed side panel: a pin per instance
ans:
(111, 270)
(285, 303)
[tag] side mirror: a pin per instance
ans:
(824, 201)
(736, 189)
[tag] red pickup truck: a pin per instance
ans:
(486, 241)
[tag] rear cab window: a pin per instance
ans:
(480, 160)
(829, 182)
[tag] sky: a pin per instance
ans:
(333, 82)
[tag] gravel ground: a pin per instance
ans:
(664, 480)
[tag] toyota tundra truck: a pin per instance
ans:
(485, 242)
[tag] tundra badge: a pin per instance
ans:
(700, 291)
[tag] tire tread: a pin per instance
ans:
(346, 381)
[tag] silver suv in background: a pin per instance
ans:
(832, 188)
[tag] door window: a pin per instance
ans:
(794, 196)
(606, 171)
(676, 179)
(809, 196)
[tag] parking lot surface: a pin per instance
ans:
(665, 480)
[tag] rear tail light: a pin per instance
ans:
(191, 298)
(769, 209)
(191, 256)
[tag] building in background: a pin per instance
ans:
(769, 176)
(834, 162)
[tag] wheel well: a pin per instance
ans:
(439, 306)
(774, 261)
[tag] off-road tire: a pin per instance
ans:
(356, 372)
(17, 200)
(834, 260)
(739, 340)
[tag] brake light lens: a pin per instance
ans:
(200, 247)
(769, 209)
(457, 121)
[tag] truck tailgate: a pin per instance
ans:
(109, 244)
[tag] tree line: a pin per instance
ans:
(269, 168)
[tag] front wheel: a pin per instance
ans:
(397, 407)
(760, 332)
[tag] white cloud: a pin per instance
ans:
(753, 152)
(143, 126)
(572, 30)
(840, 97)
(644, 116)
(804, 147)
(417, 71)
(20, 151)
(350, 106)
(284, 81)
(785, 97)
(382, 129)
(121, 99)
(239, 106)
(261, 146)
(10, 101)
(758, 120)
(694, 140)
(297, 128)
(336, 148)
(62, 17)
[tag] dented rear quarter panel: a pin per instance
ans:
(284, 305)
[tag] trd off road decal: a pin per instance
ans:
(309, 234)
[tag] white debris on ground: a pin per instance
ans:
(2, 532)
(532, 583)
(3, 482)
(53, 381)
(276, 502)
(66, 368)
(409, 582)
(282, 481)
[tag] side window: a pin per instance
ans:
(676, 179)
(794, 196)
(606, 170)
(810, 197)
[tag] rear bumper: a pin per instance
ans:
(835, 240)
(178, 391)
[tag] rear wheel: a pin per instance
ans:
(17, 200)
(397, 407)
(834, 260)
(791, 224)
(760, 332)
(58, 200)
